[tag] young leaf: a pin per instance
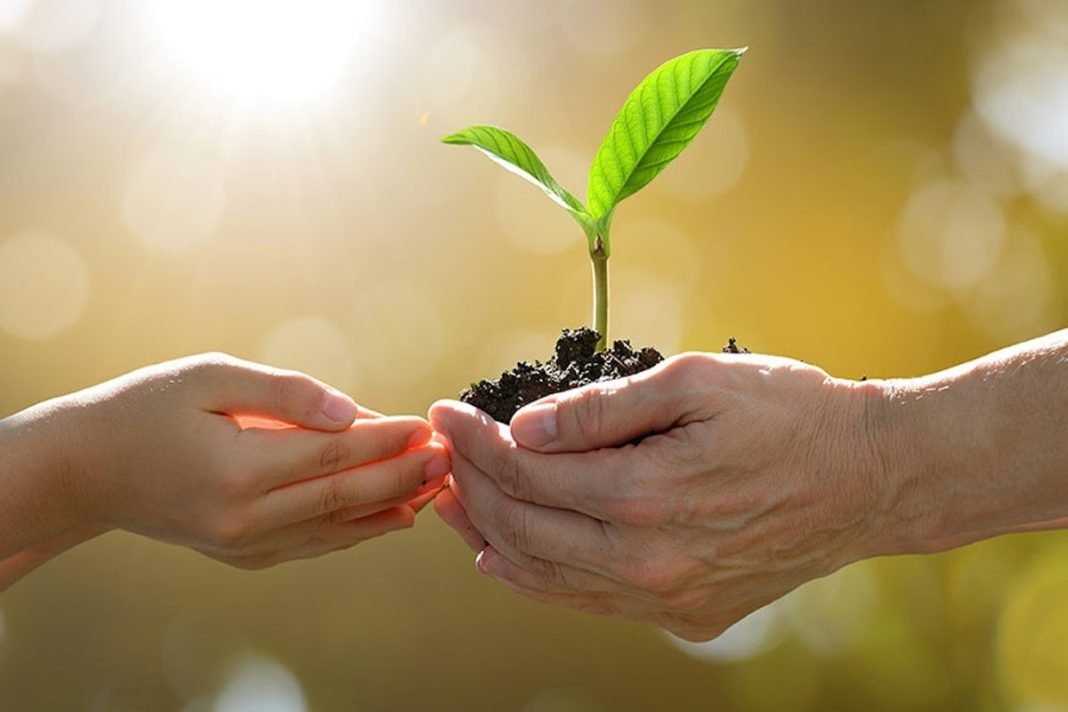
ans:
(659, 119)
(510, 151)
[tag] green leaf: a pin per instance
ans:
(659, 119)
(510, 151)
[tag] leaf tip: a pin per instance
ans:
(739, 51)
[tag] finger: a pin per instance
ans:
(593, 603)
(453, 514)
(298, 454)
(247, 422)
(515, 527)
(237, 387)
(401, 476)
(611, 413)
(590, 483)
(426, 494)
(342, 536)
(547, 576)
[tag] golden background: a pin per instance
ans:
(883, 191)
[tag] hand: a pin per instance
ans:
(163, 452)
(687, 496)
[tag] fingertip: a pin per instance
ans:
(489, 561)
(445, 413)
(536, 427)
(339, 409)
(422, 434)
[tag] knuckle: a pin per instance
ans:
(333, 497)
(234, 485)
(337, 516)
(689, 370)
(552, 573)
(209, 366)
(510, 475)
(643, 511)
(586, 414)
(293, 388)
(230, 532)
(514, 527)
(333, 456)
(653, 574)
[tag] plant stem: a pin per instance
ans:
(599, 257)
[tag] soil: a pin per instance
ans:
(576, 363)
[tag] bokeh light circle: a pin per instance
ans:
(175, 198)
(951, 234)
(257, 683)
(1015, 301)
(831, 615)
(44, 286)
(1021, 91)
(1032, 632)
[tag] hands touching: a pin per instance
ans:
(687, 496)
(247, 464)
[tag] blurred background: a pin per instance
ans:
(883, 191)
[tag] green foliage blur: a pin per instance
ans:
(883, 191)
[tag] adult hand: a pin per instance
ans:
(171, 452)
(687, 496)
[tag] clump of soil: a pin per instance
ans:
(576, 363)
(732, 347)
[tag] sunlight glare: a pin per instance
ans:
(271, 51)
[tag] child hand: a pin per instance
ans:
(170, 452)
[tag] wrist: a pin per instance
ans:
(948, 454)
(41, 473)
(903, 460)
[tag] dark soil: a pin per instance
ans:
(576, 363)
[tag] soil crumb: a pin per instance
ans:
(576, 363)
(732, 347)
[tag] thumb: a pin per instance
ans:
(239, 387)
(607, 414)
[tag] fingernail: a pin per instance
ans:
(480, 562)
(338, 407)
(535, 426)
(420, 437)
(437, 468)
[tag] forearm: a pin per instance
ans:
(977, 450)
(39, 469)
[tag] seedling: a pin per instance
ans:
(659, 119)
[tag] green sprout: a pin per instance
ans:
(659, 119)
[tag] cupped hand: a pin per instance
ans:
(248, 464)
(687, 496)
